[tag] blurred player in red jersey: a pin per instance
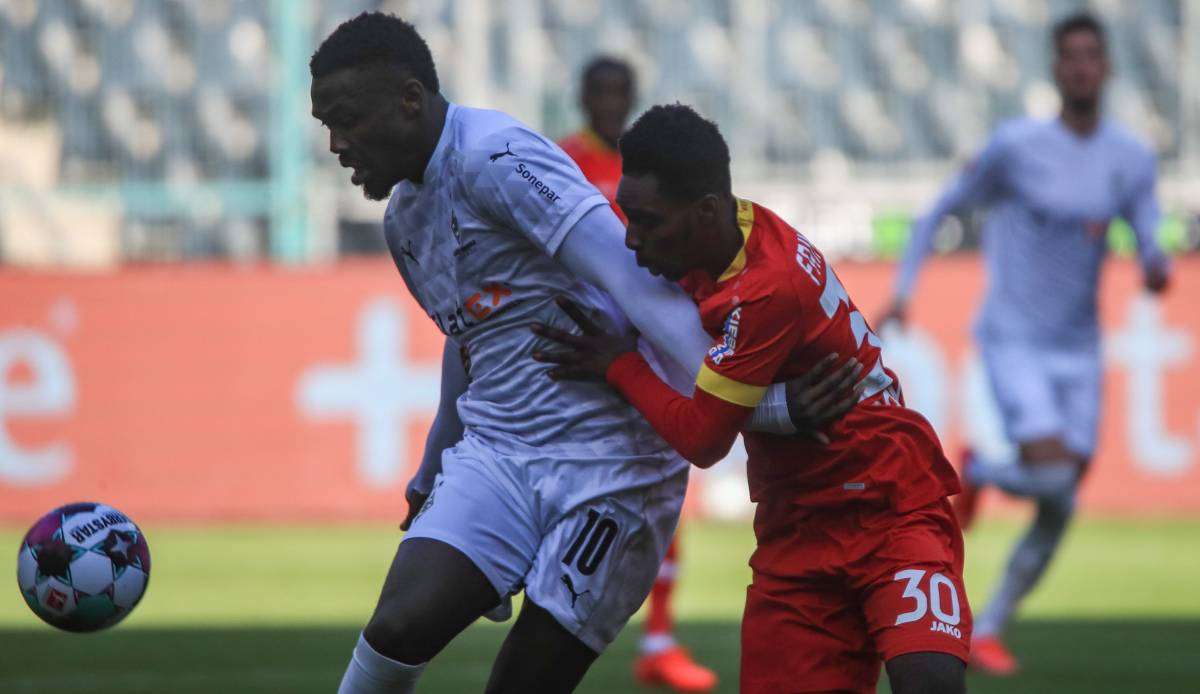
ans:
(606, 94)
(859, 556)
(607, 91)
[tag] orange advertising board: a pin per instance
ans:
(219, 392)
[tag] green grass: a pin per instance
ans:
(277, 609)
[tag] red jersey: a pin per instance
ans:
(600, 164)
(774, 313)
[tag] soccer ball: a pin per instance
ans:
(83, 567)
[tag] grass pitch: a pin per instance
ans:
(235, 609)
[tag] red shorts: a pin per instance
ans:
(838, 591)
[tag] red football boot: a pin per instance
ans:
(990, 656)
(674, 668)
(966, 503)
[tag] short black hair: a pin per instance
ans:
(375, 38)
(1080, 21)
(607, 62)
(685, 152)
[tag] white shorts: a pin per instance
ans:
(1045, 392)
(583, 538)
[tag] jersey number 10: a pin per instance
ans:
(599, 535)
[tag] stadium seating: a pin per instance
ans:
(182, 91)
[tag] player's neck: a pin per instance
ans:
(438, 107)
(726, 241)
(1081, 119)
(604, 138)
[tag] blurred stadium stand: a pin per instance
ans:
(148, 130)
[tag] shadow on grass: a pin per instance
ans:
(1058, 656)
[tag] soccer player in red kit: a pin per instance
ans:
(607, 92)
(859, 557)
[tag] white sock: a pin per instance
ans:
(1045, 480)
(656, 643)
(370, 672)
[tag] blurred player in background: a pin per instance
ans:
(564, 492)
(859, 556)
(1052, 187)
(607, 91)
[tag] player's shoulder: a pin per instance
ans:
(486, 136)
(1128, 143)
(777, 255)
(1017, 131)
(574, 143)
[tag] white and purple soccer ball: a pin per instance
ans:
(83, 567)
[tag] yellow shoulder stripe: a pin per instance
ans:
(728, 389)
(745, 219)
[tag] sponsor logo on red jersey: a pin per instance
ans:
(728, 343)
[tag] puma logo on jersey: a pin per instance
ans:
(464, 249)
(566, 579)
(506, 153)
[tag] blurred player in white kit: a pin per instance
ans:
(1052, 187)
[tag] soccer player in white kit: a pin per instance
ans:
(1052, 187)
(560, 489)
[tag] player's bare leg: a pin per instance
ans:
(431, 593)
(539, 655)
(663, 661)
(927, 673)
(1049, 473)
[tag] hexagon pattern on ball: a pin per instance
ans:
(83, 567)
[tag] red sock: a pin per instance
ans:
(659, 621)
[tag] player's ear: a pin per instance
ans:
(412, 97)
(708, 209)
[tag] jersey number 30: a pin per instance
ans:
(932, 603)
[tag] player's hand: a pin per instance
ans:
(897, 311)
(586, 357)
(823, 395)
(416, 501)
(1156, 280)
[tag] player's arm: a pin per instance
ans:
(447, 430)
(1142, 212)
(978, 180)
(542, 193)
(701, 428)
(730, 383)
(595, 251)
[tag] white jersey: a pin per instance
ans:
(475, 243)
(1051, 195)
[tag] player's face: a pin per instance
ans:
(373, 116)
(1080, 67)
(662, 232)
(607, 100)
